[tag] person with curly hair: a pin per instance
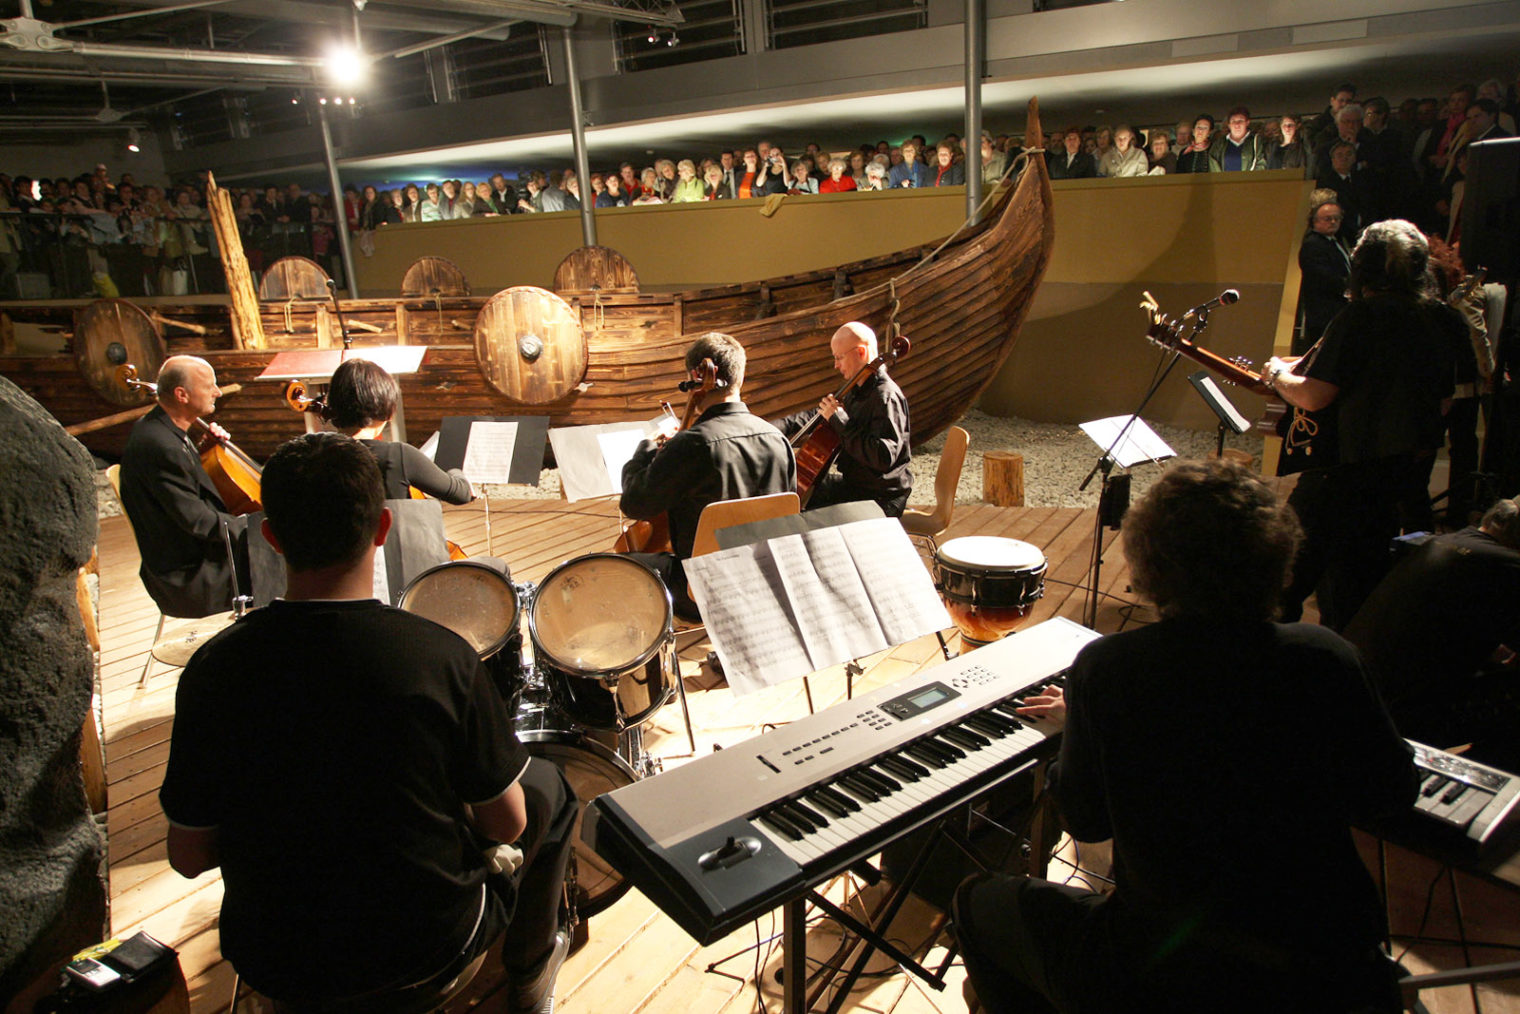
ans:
(1173, 747)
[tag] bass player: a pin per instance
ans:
(872, 425)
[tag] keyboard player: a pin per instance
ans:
(1226, 756)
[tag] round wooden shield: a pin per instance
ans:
(110, 333)
(294, 278)
(430, 276)
(595, 268)
(530, 345)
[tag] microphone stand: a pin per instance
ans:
(332, 290)
(1105, 466)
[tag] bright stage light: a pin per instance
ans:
(346, 65)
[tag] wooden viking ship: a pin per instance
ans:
(597, 355)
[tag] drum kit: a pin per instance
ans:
(600, 663)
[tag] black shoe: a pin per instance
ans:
(532, 990)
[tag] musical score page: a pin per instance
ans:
(792, 605)
(752, 628)
(488, 455)
(901, 591)
(824, 588)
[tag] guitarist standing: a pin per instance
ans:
(872, 425)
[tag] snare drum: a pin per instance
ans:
(989, 584)
(479, 603)
(602, 638)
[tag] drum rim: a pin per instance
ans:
(575, 670)
(512, 627)
(941, 556)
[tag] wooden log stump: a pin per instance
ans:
(1003, 478)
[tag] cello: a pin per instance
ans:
(816, 445)
(236, 476)
(295, 397)
(653, 536)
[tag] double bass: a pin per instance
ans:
(236, 476)
(653, 536)
(816, 445)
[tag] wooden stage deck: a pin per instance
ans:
(637, 959)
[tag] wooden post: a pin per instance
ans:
(247, 328)
(1003, 478)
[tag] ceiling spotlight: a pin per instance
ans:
(347, 65)
(654, 36)
(134, 141)
(672, 40)
(322, 99)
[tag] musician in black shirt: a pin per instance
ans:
(352, 795)
(873, 428)
(1226, 757)
(361, 401)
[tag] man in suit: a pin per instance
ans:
(176, 513)
(1073, 163)
(502, 198)
(1326, 265)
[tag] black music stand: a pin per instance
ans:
(1230, 419)
(1126, 441)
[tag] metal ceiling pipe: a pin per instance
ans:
(562, 15)
(340, 213)
(148, 78)
(128, 52)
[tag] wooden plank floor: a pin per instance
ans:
(637, 959)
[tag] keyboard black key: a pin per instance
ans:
(1451, 794)
(811, 814)
(897, 766)
(823, 802)
(859, 788)
(927, 754)
(986, 726)
(911, 765)
(946, 746)
(962, 736)
(797, 817)
(1009, 711)
(779, 824)
(838, 798)
(877, 775)
(1433, 786)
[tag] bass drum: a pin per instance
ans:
(591, 768)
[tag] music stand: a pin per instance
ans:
(1126, 441)
(316, 366)
(1230, 419)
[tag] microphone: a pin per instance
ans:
(1225, 298)
(692, 385)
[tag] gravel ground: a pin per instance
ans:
(1056, 459)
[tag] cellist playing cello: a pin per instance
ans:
(176, 513)
(871, 424)
(728, 454)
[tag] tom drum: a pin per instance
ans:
(479, 603)
(989, 584)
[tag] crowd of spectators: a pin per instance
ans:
(1381, 162)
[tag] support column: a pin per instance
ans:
(976, 58)
(578, 138)
(340, 214)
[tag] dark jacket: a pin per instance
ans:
(727, 454)
(177, 518)
(1075, 167)
(1253, 151)
(1322, 292)
(873, 427)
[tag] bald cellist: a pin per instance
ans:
(176, 513)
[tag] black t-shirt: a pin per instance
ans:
(1227, 761)
(1392, 360)
(334, 745)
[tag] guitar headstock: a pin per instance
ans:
(1162, 330)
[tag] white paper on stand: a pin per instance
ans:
(790, 606)
(430, 446)
(488, 454)
(1140, 443)
(617, 448)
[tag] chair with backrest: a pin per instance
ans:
(929, 524)
(727, 513)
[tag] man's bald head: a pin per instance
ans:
(855, 335)
(179, 371)
(1502, 521)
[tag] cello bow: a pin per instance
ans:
(653, 535)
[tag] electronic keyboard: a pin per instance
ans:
(729, 836)
(1471, 797)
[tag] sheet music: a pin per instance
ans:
(754, 633)
(382, 584)
(430, 446)
(901, 591)
(824, 588)
(488, 455)
(798, 603)
(617, 448)
(1140, 443)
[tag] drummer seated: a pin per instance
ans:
(328, 745)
